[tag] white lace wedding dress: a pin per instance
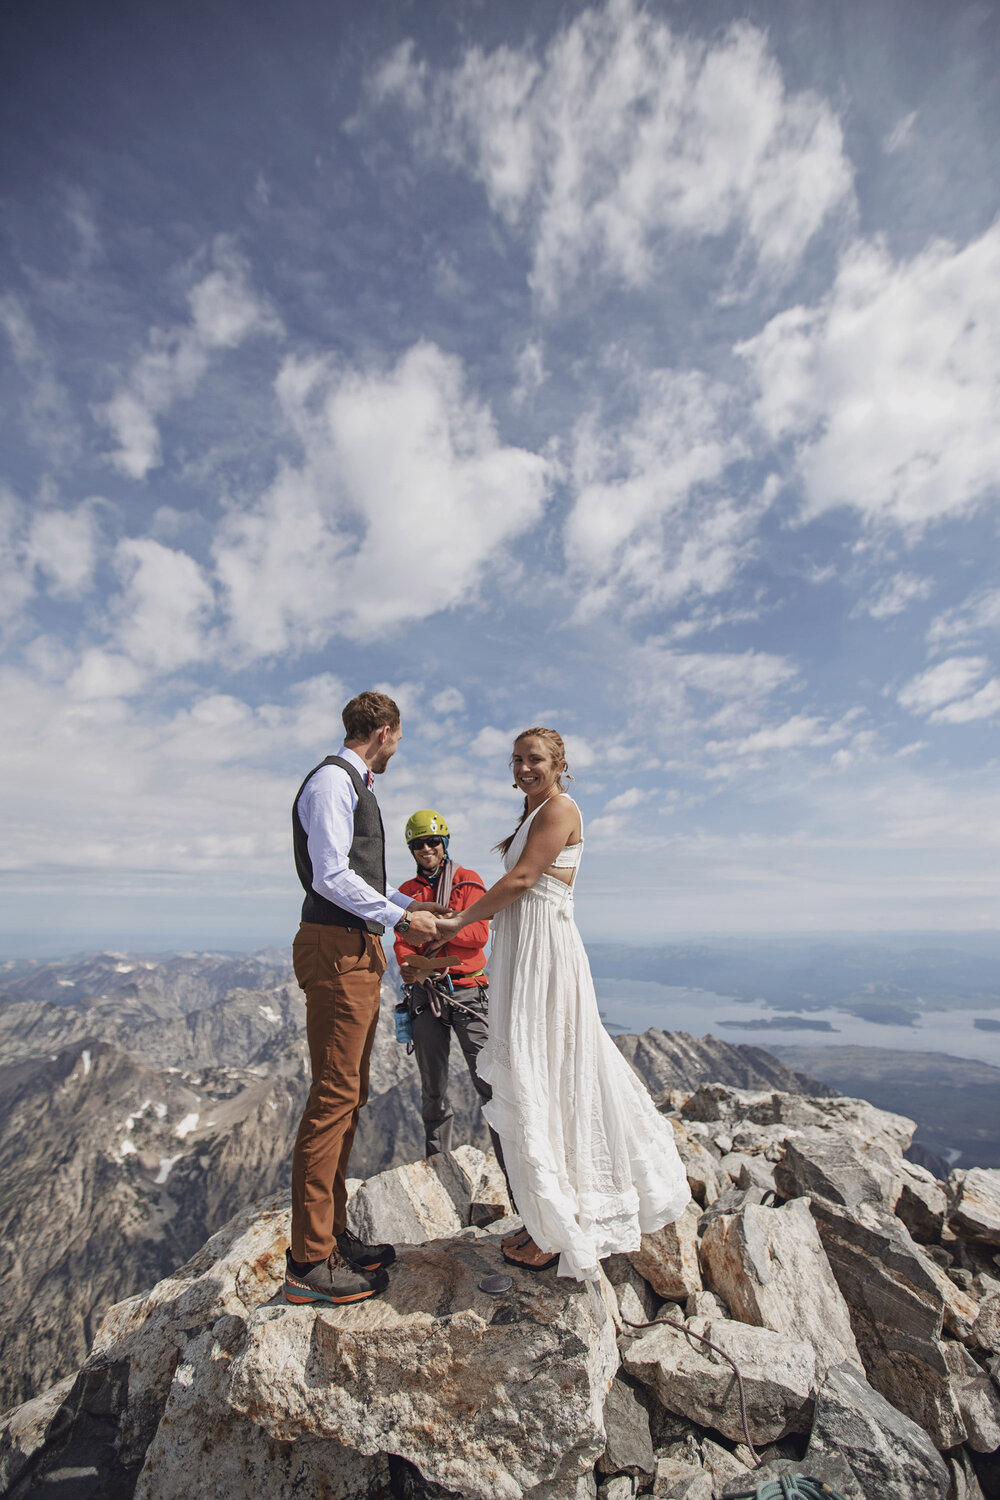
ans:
(591, 1161)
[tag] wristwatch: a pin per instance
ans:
(403, 925)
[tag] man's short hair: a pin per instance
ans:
(367, 713)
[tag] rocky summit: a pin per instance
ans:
(858, 1297)
(157, 1097)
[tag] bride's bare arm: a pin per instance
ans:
(550, 830)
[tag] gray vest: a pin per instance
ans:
(366, 855)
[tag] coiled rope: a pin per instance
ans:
(682, 1328)
(785, 1486)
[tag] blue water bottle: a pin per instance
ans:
(404, 1021)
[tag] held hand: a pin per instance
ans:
(407, 973)
(447, 928)
(431, 906)
(423, 925)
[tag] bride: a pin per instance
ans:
(591, 1163)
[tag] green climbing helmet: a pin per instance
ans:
(427, 824)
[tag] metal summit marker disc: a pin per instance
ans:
(494, 1285)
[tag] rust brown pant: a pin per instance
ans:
(340, 971)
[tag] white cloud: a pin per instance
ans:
(984, 704)
(978, 613)
(48, 419)
(62, 545)
(404, 497)
(491, 742)
(225, 310)
(448, 701)
(889, 389)
(900, 133)
(894, 596)
(580, 754)
(949, 680)
(102, 675)
(648, 525)
(863, 746)
(719, 690)
(530, 368)
(165, 605)
(800, 732)
(206, 788)
(59, 544)
(16, 585)
(623, 134)
(626, 800)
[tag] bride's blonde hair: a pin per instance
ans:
(553, 742)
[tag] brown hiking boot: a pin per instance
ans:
(333, 1281)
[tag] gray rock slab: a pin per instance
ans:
(636, 1297)
(488, 1397)
(705, 1180)
(755, 1171)
(618, 1487)
(582, 1487)
(820, 1164)
(23, 1430)
(922, 1203)
(888, 1453)
(677, 1480)
(975, 1210)
(719, 1463)
(897, 1307)
(421, 1201)
(964, 1484)
(202, 1443)
(706, 1305)
(731, 1200)
(668, 1258)
(695, 1382)
(113, 1409)
(986, 1328)
(490, 1201)
(770, 1266)
(629, 1448)
(976, 1397)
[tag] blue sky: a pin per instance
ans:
(630, 369)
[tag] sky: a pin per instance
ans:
(630, 369)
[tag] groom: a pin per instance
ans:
(337, 954)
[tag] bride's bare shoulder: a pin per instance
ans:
(559, 812)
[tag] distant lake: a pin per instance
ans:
(637, 1004)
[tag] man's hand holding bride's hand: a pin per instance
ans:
(447, 928)
(432, 906)
(424, 924)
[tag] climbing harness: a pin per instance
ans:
(439, 990)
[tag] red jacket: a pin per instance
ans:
(468, 947)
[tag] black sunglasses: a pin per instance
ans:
(425, 843)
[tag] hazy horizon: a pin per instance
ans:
(151, 946)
